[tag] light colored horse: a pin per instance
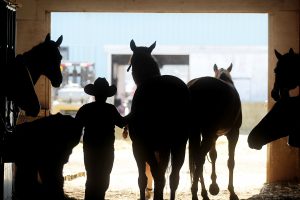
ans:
(215, 110)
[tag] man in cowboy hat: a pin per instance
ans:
(99, 119)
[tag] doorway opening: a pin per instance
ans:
(188, 45)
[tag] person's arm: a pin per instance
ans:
(79, 117)
(120, 121)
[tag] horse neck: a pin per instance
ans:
(30, 62)
(145, 70)
(144, 76)
(226, 79)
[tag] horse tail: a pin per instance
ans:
(194, 144)
(191, 162)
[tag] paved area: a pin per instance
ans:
(249, 175)
(278, 191)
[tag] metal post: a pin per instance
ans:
(7, 53)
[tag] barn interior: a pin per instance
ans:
(25, 23)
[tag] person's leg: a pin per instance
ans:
(105, 167)
(91, 180)
(98, 164)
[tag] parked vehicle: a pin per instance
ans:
(71, 96)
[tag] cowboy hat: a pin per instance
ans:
(100, 87)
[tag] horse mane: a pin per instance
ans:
(147, 61)
(226, 78)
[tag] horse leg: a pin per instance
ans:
(177, 159)
(194, 148)
(141, 164)
(205, 146)
(232, 137)
(149, 189)
(213, 188)
(158, 172)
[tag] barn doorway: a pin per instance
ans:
(187, 48)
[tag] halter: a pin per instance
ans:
(129, 67)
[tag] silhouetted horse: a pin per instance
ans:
(157, 122)
(287, 74)
(283, 118)
(19, 77)
(41, 149)
(216, 111)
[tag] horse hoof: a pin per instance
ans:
(204, 195)
(195, 198)
(214, 189)
(206, 198)
(148, 193)
(234, 197)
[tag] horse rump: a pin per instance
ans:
(160, 110)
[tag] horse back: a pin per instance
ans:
(215, 104)
(160, 109)
(52, 137)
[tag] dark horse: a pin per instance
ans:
(283, 118)
(157, 122)
(19, 77)
(41, 148)
(216, 111)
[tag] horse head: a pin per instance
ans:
(26, 69)
(44, 59)
(286, 74)
(143, 64)
(52, 61)
(223, 74)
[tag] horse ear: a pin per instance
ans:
(47, 39)
(59, 41)
(132, 45)
(291, 51)
(215, 67)
(152, 47)
(278, 55)
(229, 68)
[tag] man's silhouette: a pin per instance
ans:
(99, 119)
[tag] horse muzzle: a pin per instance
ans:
(275, 95)
(253, 142)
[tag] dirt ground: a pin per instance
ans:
(249, 173)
